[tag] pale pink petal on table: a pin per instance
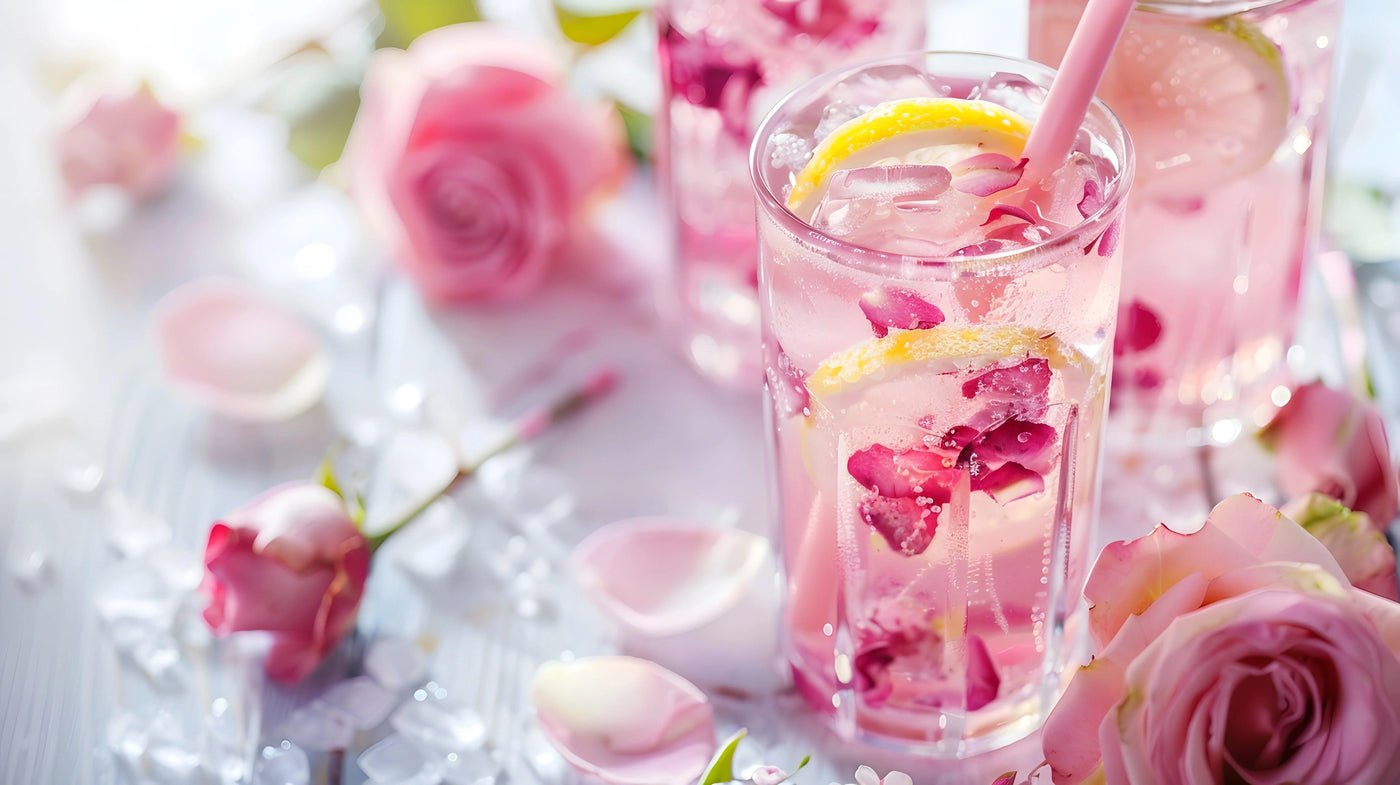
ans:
(624, 720)
(238, 353)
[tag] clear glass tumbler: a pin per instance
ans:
(1226, 101)
(937, 386)
(724, 63)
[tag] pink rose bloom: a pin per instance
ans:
(473, 164)
(131, 141)
(1351, 538)
(1238, 654)
(1331, 442)
(290, 562)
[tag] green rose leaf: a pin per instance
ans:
(317, 136)
(721, 769)
(640, 134)
(592, 30)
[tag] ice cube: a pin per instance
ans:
(1013, 91)
(476, 767)
(394, 761)
(224, 749)
(890, 183)
(158, 658)
(132, 531)
(81, 481)
(395, 662)
(361, 699)
(543, 759)
(134, 594)
(284, 764)
(127, 738)
(182, 569)
(788, 151)
(431, 547)
(317, 726)
(438, 725)
(836, 114)
(169, 761)
(31, 568)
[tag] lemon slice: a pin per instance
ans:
(1206, 101)
(911, 130)
(944, 348)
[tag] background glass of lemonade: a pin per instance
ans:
(1226, 101)
(936, 475)
(724, 63)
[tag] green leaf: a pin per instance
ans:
(721, 769)
(405, 20)
(357, 511)
(325, 473)
(592, 30)
(317, 136)
(640, 135)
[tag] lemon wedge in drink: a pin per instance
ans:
(911, 131)
(1206, 101)
(939, 349)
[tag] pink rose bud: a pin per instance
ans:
(130, 141)
(472, 163)
(1332, 442)
(290, 562)
(1364, 555)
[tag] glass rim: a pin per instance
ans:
(860, 256)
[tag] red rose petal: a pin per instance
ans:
(1030, 444)
(890, 307)
(906, 525)
(1027, 379)
(1012, 210)
(909, 473)
(1138, 329)
(983, 681)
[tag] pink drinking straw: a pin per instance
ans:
(1073, 89)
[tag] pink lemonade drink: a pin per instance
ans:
(724, 63)
(937, 338)
(1226, 102)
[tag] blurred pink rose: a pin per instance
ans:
(1334, 443)
(1238, 654)
(290, 562)
(1351, 538)
(130, 140)
(471, 161)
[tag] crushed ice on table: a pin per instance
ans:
(543, 759)
(127, 738)
(182, 569)
(394, 760)
(437, 725)
(189, 626)
(225, 751)
(133, 600)
(131, 530)
(81, 481)
(474, 767)
(394, 662)
(283, 764)
(172, 757)
(362, 699)
(431, 547)
(319, 727)
(31, 401)
(31, 568)
(531, 494)
(157, 657)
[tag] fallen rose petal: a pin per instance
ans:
(983, 681)
(1138, 329)
(1009, 483)
(905, 524)
(624, 720)
(695, 598)
(890, 307)
(238, 353)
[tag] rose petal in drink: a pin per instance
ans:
(1030, 444)
(952, 442)
(1027, 379)
(1011, 210)
(1108, 241)
(987, 173)
(983, 681)
(910, 473)
(829, 21)
(906, 525)
(790, 393)
(883, 647)
(1138, 329)
(890, 307)
(1009, 483)
(1093, 199)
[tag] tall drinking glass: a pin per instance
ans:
(1226, 101)
(723, 65)
(937, 339)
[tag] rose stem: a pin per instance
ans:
(526, 427)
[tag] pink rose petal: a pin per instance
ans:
(788, 387)
(625, 721)
(1139, 328)
(1108, 241)
(908, 473)
(1093, 199)
(1025, 380)
(986, 174)
(1009, 483)
(983, 681)
(906, 525)
(1012, 210)
(890, 307)
(1030, 444)
(238, 353)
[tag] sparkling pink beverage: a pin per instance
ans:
(724, 63)
(937, 338)
(1226, 101)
